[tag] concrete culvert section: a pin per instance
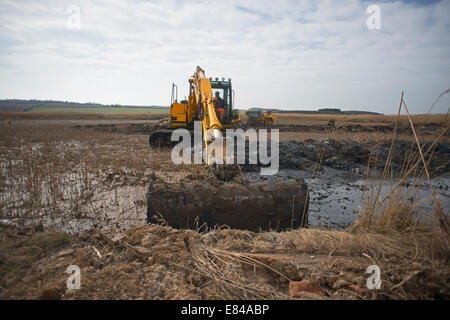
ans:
(263, 205)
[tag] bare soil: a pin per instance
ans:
(158, 262)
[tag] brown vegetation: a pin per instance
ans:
(419, 119)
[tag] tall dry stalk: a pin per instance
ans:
(397, 209)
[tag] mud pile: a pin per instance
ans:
(126, 128)
(348, 155)
(158, 262)
(429, 128)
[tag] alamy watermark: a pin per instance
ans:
(374, 281)
(73, 22)
(74, 280)
(373, 22)
(228, 149)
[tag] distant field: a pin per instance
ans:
(293, 119)
(100, 110)
(130, 113)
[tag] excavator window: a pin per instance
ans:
(224, 88)
(220, 93)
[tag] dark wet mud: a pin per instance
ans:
(338, 179)
(337, 197)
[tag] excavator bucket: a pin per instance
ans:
(265, 205)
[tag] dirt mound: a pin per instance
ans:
(348, 155)
(147, 128)
(262, 205)
(426, 128)
(127, 128)
(159, 262)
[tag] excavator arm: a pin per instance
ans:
(210, 123)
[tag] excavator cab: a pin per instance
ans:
(227, 94)
(183, 113)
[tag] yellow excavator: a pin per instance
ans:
(262, 205)
(200, 106)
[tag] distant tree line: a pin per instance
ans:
(19, 105)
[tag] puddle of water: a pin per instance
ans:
(336, 196)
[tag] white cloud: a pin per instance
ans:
(285, 54)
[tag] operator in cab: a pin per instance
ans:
(220, 106)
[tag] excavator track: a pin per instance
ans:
(161, 139)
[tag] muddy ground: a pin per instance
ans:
(147, 126)
(337, 168)
(95, 218)
(158, 262)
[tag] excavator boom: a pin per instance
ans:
(210, 123)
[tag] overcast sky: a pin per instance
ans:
(281, 54)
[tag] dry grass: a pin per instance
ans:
(246, 265)
(220, 264)
(395, 211)
(53, 173)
